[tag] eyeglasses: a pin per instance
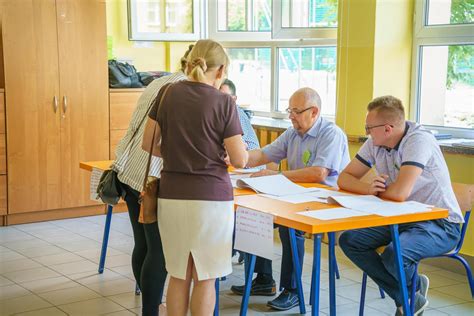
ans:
(289, 111)
(368, 128)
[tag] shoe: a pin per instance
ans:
(257, 289)
(420, 304)
(241, 258)
(424, 285)
(285, 301)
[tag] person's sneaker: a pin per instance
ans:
(266, 289)
(424, 285)
(420, 304)
(241, 258)
(285, 301)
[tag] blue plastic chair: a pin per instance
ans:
(465, 197)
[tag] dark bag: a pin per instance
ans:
(123, 75)
(149, 195)
(109, 188)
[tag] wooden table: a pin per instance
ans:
(285, 214)
(105, 165)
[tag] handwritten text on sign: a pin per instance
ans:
(254, 232)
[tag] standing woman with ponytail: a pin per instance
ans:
(196, 124)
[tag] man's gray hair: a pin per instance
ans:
(311, 97)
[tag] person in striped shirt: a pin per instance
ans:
(148, 263)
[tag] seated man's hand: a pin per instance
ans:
(264, 172)
(378, 184)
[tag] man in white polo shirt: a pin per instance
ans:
(410, 167)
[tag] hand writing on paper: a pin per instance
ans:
(378, 184)
(264, 172)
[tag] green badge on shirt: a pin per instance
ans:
(306, 157)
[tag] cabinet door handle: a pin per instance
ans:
(55, 104)
(64, 105)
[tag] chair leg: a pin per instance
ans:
(468, 271)
(382, 293)
(414, 280)
(336, 268)
(362, 294)
(216, 307)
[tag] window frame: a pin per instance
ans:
(199, 18)
(274, 62)
(434, 35)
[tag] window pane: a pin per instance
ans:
(313, 67)
(447, 86)
(161, 16)
(450, 12)
(244, 15)
(309, 13)
(250, 71)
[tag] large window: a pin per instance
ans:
(443, 91)
(266, 69)
(163, 20)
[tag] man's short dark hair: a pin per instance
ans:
(231, 86)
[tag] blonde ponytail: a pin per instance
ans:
(205, 55)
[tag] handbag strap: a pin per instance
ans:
(153, 138)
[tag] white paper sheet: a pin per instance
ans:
(277, 185)
(373, 205)
(247, 170)
(254, 232)
(332, 213)
(235, 177)
(295, 198)
(95, 178)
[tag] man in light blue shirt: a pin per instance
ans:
(317, 151)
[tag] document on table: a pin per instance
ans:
(96, 174)
(373, 205)
(277, 185)
(332, 213)
(235, 177)
(318, 195)
(254, 232)
(247, 170)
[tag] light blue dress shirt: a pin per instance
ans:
(325, 145)
(249, 137)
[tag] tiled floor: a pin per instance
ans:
(50, 268)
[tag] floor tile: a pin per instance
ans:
(10, 255)
(50, 284)
(127, 300)
(31, 274)
(460, 290)
(60, 258)
(52, 311)
(113, 287)
(17, 265)
(22, 304)
(98, 306)
(460, 309)
(12, 291)
(69, 295)
(74, 267)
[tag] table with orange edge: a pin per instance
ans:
(105, 165)
(285, 214)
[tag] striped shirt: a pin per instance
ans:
(131, 161)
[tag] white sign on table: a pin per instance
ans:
(254, 232)
(95, 178)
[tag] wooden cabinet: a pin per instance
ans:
(57, 114)
(122, 104)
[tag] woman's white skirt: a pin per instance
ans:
(200, 228)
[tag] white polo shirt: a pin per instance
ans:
(419, 148)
